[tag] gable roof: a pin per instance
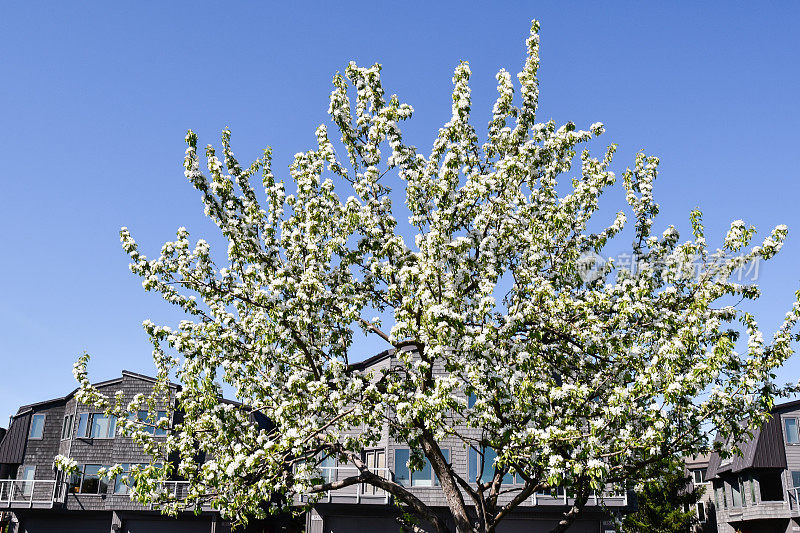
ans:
(764, 450)
(38, 405)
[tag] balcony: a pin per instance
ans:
(357, 493)
(30, 494)
(364, 493)
(765, 510)
(46, 493)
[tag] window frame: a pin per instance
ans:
(138, 416)
(792, 477)
(473, 466)
(702, 473)
(120, 480)
(796, 421)
(67, 426)
(30, 429)
(434, 479)
(81, 480)
(702, 516)
(27, 485)
(88, 429)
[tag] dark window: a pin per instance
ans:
(701, 511)
(471, 401)
(66, 429)
(89, 481)
(795, 479)
(699, 475)
(771, 486)
(37, 427)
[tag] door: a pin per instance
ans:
(376, 462)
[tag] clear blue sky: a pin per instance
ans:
(95, 99)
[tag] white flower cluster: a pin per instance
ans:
(572, 380)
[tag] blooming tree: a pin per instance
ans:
(581, 381)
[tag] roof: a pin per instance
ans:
(698, 461)
(368, 362)
(32, 406)
(386, 354)
(764, 450)
(12, 447)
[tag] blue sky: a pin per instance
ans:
(95, 101)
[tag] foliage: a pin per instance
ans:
(661, 503)
(579, 380)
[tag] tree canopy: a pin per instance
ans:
(666, 504)
(582, 381)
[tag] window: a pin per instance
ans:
(96, 426)
(37, 427)
(124, 482)
(415, 478)
(753, 490)
(83, 425)
(327, 468)
(66, 429)
(792, 436)
(103, 427)
(699, 475)
(471, 399)
(736, 493)
(701, 512)
(148, 422)
(771, 486)
(795, 479)
(28, 475)
(489, 456)
(376, 462)
(89, 481)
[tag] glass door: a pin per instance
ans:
(376, 462)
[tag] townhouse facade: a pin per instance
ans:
(359, 508)
(757, 491)
(36, 497)
(697, 470)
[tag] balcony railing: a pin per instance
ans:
(357, 493)
(794, 499)
(365, 493)
(38, 493)
(562, 498)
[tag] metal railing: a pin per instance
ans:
(177, 490)
(562, 497)
(18, 493)
(794, 498)
(359, 492)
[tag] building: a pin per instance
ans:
(697, 469)
(360, 508)
(757, 491)
(35, 497)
